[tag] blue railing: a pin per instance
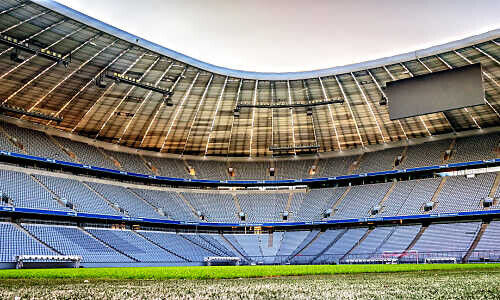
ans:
(420, 217)
(248, 182)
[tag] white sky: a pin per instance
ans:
(294, 35)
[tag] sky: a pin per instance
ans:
(294, 35)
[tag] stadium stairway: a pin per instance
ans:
(188, 204)
(450, 149)
(235, 249)
(237, 203)
(160, 246)
(142, 198)
(478, 237)
(54, 195)
(187, 167)
(385, 239)
(495, 185)
(204, 243)
(70, 153)
(28, 233)
(116, 163)
(216, 245)
(340, 199)
(355, 165)
(365, 235)
(438, 190)
(15, 143)
(289, 202)
(110, 204)
(389, 192)
(149, 166)
(417, 237)
(192, 241)
(335, 240)
(108, 245)
(308, 243)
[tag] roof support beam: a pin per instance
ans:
(35, 35)
(272, 114)
(191, 124)
(130, 90)
(23, 22)
(420, 117)
(429, 70)
(486, 54)
(47, 69)
(90, 82)
(350, 109)
(291, 116)
(13, 8)
(178, 108)
(34, 55)
(486, 74)
(144, 100)
(253, 115)
(383, 95)
(308, 98)
(325, 97)
(470, 63)
(215, 114)
(107, 91)
(68, 76)
(370, 107)
(172, 88)
(232, 120)
(450, 67)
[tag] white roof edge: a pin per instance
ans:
(101, 26)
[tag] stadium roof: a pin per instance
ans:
(201, 119)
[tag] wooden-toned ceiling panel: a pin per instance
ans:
(163, 76)
(184, 117)
(261, 133)
(201, 119)
(321, 119)
(220, 135)
(197, 138)
(343, 119)
(159, 124)
(305, 131)
(242, 127)
(102, 110)
(123, 112)
(283, 125)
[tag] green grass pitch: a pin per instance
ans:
(474, 281)
(228, 272)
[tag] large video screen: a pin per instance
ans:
(435, 92)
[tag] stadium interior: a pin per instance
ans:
(115, 151)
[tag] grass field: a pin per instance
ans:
(277, 282)
(230, 271)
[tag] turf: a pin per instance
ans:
(475, 283)
(231, 272)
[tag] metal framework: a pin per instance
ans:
(332, 109)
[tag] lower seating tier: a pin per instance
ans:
(404, 243)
